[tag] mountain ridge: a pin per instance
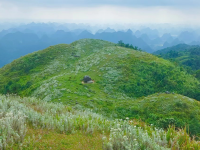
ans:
(96, 52)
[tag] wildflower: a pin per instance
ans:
(118, 125)
(125, 138)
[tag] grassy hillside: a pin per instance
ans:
(122, 79)
(177, 48)
(185, 55)
(161, 110)
(29, 123)
(119, 73)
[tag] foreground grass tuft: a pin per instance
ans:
(32, 123)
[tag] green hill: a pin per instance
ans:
(176, 48)
(162, 110)
(127, 83)
(120, 75)
(118, 72)
(185, 55)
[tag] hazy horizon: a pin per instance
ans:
(102, 12)
(154, 25)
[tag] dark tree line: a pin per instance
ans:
(122, 44)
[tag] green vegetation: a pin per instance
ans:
(162, 110)
(122, 44)
(18, 114)
(127, 83)
(177, 48)
(185, 55)
(119, 73)
(57, 120)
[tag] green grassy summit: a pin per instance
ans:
(56, 73)
(120, 75)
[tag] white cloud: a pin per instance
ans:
(60, 3)
(101, 14)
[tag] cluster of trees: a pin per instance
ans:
(197, 74)
(188, 58)
(14, 86)
(122, 44)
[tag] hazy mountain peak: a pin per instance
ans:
(129, 31)
(109, 30)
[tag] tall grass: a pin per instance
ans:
(125, 135)
(19, 113)
(12, 124)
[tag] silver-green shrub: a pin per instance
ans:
(17, 112)
(12, 122)
(124, 136)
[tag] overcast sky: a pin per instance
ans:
(103, 11)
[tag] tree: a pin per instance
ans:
(127, 45)
(131, 46)
(197, 74)
(120, 43)
(136, 48)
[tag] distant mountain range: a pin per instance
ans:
(16, 44)
(24, 39)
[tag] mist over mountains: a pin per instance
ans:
(20, 40)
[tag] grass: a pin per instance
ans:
(37, 116)
(119, 73)
(161, 110)
(128, 83)
(91, 131)
(123, 77)
(47, 139)
(185, 55)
